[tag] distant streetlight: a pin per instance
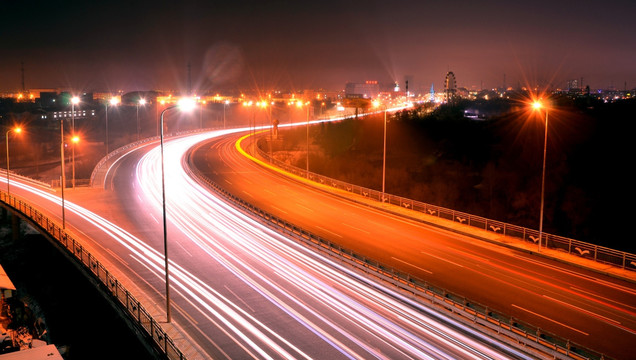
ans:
(140, 102)
(538, 105)
(16, 130)
(113, 102)
(75, 100)
(377, 104)
(185, 104)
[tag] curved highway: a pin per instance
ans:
(593, 310)
(239, 290)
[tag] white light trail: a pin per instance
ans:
(301, 304)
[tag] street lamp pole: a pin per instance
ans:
(140, 102)
(538, 105)
(384, 157)
(307, 154)
(113, 102)
(545, 148)
(188, 104)
(74, 100)
(63, 179)
(17, 130)
(165, 229)
(224, 104)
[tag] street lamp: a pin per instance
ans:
(377, 104)
(16, 130)
(140, 102)
(63, 178)
(75, 139)
(113, 101)
(538, 105)
(185, 104)
(74, 100)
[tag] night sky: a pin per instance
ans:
(142, 45)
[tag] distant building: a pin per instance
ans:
(450, 86)
(367, 90)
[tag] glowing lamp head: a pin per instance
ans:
(142, 101)
(75, 139)
(17, 130)
(537, 105)
(186, 104)
(75, 100)
(114, 101)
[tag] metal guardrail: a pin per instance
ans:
(14, 175)
(157, 337)
(573, 247)
(99, 167)
(514, 331)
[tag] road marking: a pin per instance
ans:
(583, 310)
(581, 276)
(415, 266)
(270, 192)
(184, 249)
(331, 232)
(248, 194)
(547, 318)
(184, 313)
(227, 181)
(153, 218)
(241, 300)
(115, 256)
(601, 297)
(355, 228)
(306, 208)
(439, 258)
(279, 209)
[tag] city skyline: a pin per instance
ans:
(143, 45)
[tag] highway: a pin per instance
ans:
(239, 290)
(593, 310)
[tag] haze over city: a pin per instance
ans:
(117, 45)
(317, 180)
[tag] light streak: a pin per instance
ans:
(323, 306)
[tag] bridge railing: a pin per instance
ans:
(130, 306)
(573, 247)
(514, 331)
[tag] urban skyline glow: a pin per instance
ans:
(247, 44)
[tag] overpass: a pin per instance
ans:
(329, 308)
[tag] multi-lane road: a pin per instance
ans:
(239, 290)
(590, 309)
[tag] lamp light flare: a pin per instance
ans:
(186, 104)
